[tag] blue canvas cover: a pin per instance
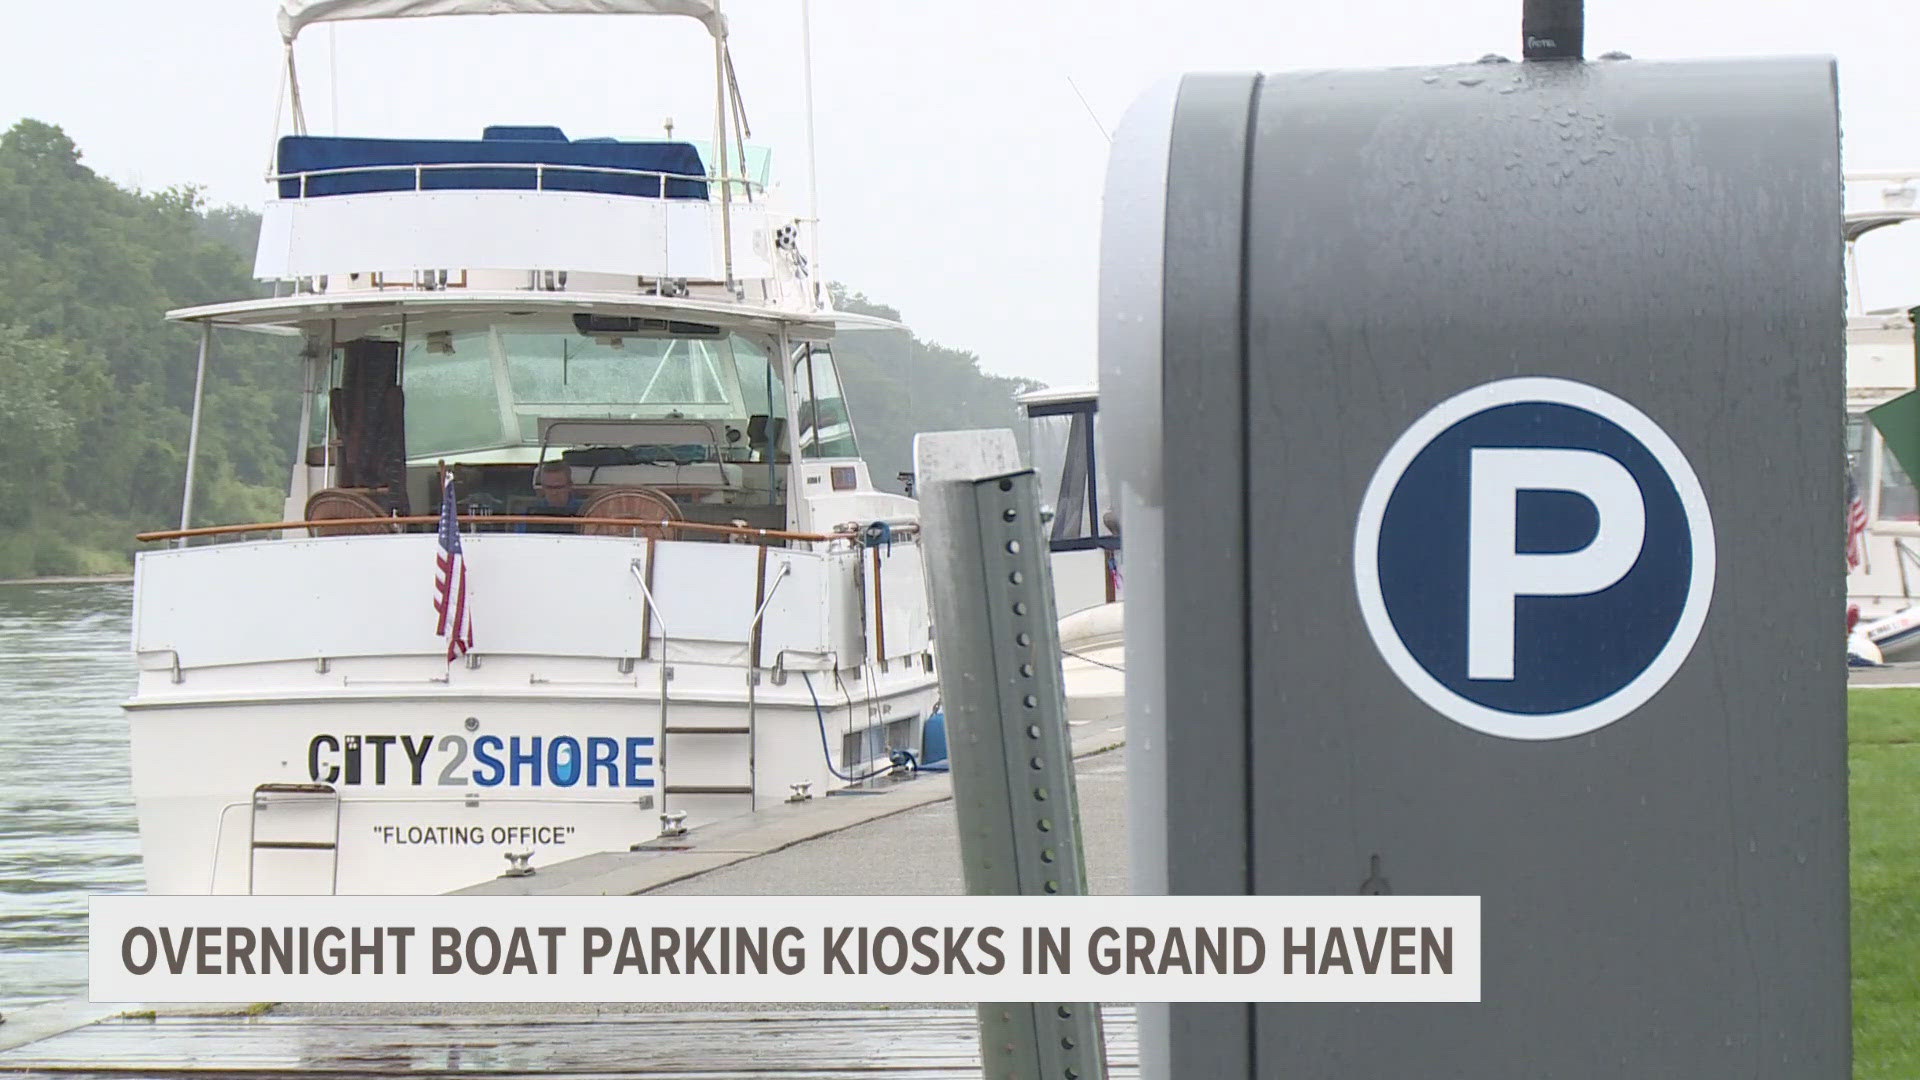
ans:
(386, 165)
(511, 131)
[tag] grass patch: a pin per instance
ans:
(261, 1008)
(1883, 763)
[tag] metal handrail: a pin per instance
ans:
(760, 535)
(753, 681)
(725, 190)
(254, 843)
(785, 569)
(1867, 176)
(421, 168)
(1900, 543)
(639, 576)
(637, 566)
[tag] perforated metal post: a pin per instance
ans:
(999, 663)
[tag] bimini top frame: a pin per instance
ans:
(728, 108)
(1895, 201)
(296, 15)
(1040, 402)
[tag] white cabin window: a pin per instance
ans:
(483, 385)
(1059, 458)
(1068, 457)
(823, 427)
(1899, 502)
(764, 390)
(630, 378)
(452, 402)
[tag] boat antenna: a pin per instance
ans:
(720, 141)
(1552, 29)
(333, 75)
(813, 176)
(1091, 115)
(293, 88)
(741, 133)
(279, 107)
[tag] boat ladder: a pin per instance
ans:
(297, 818)
(674, 823)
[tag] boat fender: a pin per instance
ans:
(1862, 652)
(877, 534)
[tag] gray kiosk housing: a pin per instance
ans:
(1295, 270)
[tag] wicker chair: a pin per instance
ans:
(336, 503)
(645, 506)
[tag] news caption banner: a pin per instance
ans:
(160, 949)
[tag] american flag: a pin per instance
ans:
(455, 621)
(1856, 525)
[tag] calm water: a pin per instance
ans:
(66, 813)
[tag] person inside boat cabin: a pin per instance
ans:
(557, 499)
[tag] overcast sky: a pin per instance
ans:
(960, 174)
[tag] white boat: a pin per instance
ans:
(1064, 441)
(1885, 584)
(728, 615)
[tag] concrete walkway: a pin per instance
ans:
(707, 850)
(901, 841)
(1904, 675)
(914, 852)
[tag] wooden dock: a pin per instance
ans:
(867, 1044)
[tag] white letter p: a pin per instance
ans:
(1497, 574)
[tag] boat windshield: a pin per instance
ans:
(1066, 446)
(1899, 500)
(488, 386)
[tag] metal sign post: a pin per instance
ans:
(997, 647)
(1484, 536)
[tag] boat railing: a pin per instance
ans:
(1903, 554)
(1895, 176)
(743, 185)
(467, 215)
(641, 527)
(641, 572)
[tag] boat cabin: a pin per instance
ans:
(640, 325)
(650, 419)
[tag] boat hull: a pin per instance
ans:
(1093, 664)
(336, 749)
(1897, 636)
(433, 793)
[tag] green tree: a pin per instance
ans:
(87, 270)
(36, 431)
